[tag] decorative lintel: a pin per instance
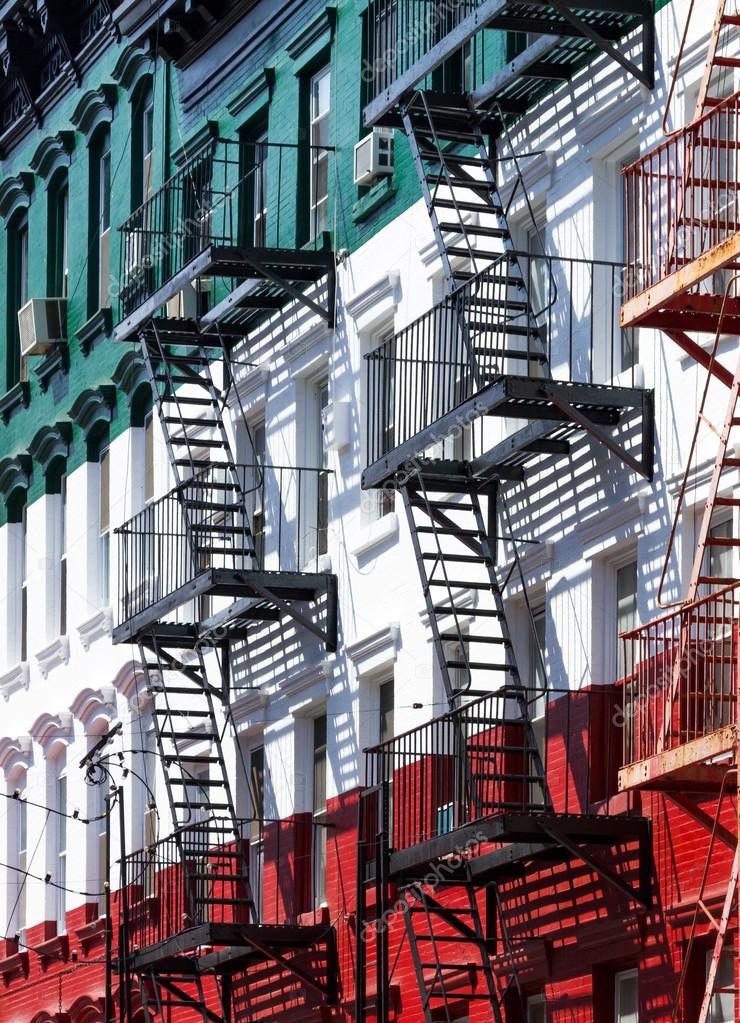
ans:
(52, 153)
(51, 443)
(133, 64)
(253, 96)
(95, 108)
(15, 193)
(92, 407)
(313, 37)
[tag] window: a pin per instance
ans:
(319, 809)
(255, 152)
(149, 457)
(60, 872)
(256, 827)
(720, 564)
(17, 294)
(383, 407)
(386, 709)
(722, 1005)
(536, 1009)
(626, 583)
(58, 265)
(322, 524)
(23, 577)
(98, 830)
(626, 1002)
(145, 145)
(19, 859)
(319, 98)
(629, 353)
(257, 457)
(100, 226)
(538, 698)
(63, 555)
(104, 526)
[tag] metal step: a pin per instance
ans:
(468, 207)
(476, 612)
(197, 442)
(487, 232)
(453, 637)
(480, 666)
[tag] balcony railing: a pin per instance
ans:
(164, 899)
(682, 201)
(258, 195)
(451, 353)
(682, 680)
(202, 524)
(475, 762)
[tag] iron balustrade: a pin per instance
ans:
(202, 524)
(164, 897)
(255, 195)
(452, 352)
(682, 199)
(475, 762)
(681, 681)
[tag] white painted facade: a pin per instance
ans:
(590, 515)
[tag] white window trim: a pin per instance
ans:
(623, 975)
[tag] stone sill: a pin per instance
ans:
(380, 193)
(52, 950)
(376, 534)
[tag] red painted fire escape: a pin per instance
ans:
(682, 689)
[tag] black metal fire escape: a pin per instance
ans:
(198, 546)
(487, 350)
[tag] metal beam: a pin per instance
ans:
(604, 45)
(700, 355)
(534, 54)
(640, 896)
(591, 428)
(691, 809)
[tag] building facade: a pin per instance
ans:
(310, 451)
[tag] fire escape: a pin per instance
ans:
(466, 798)
(232, 547)
(683, 684)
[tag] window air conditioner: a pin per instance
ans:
(42, 324)
(374, 156)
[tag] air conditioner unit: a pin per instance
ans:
(374, 156)
(42, 324)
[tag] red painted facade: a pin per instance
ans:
(571, 930)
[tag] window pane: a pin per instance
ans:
(386, 711)
(104, 491)
(626, 997)
(149, 458)
(722, 1006)
(626, 610)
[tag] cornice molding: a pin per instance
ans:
(133, 64)
(377, 301)
(52, 730)
(130, 374)
(51, 443)
(95, 108)
(253, 96)
(297, 682)
(52, 153)
(130, 682)
(15, 194)
(15, 474)
(314, 36)
(16, 755)
(601, 531)
(94, 708)
(92, 407)
(95, 329)
(196, 143)
(376, 650)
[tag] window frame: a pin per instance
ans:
(318, 204)
(319, 762)
(17, 290)
(61, 841)
(619, 977)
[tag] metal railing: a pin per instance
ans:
(682, 675)
(205, 523)
(230, 193)
(682, 199)
(476, 762)
(453, 351)
(163, 897)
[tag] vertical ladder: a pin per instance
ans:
(451, 956)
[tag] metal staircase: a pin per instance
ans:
(183, 994)
(456, 565)
(198, 786)
(451, 956)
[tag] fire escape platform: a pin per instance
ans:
(235, 946)
(269, 279)
(570, 35)
(260, 596)
(557, 407)
(666, 303)
(691, 767)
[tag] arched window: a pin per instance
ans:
(17, 291)
(58, 220)
(100, 225)
(142, 143)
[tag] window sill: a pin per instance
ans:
(18, 397)
(370, 203)
(376, 534)
(14, 679)
(96, 627)
(99, 326)
(51, 656)
(53, 950)
(56, 362)
(14, 966)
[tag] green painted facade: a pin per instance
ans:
(231, 90)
